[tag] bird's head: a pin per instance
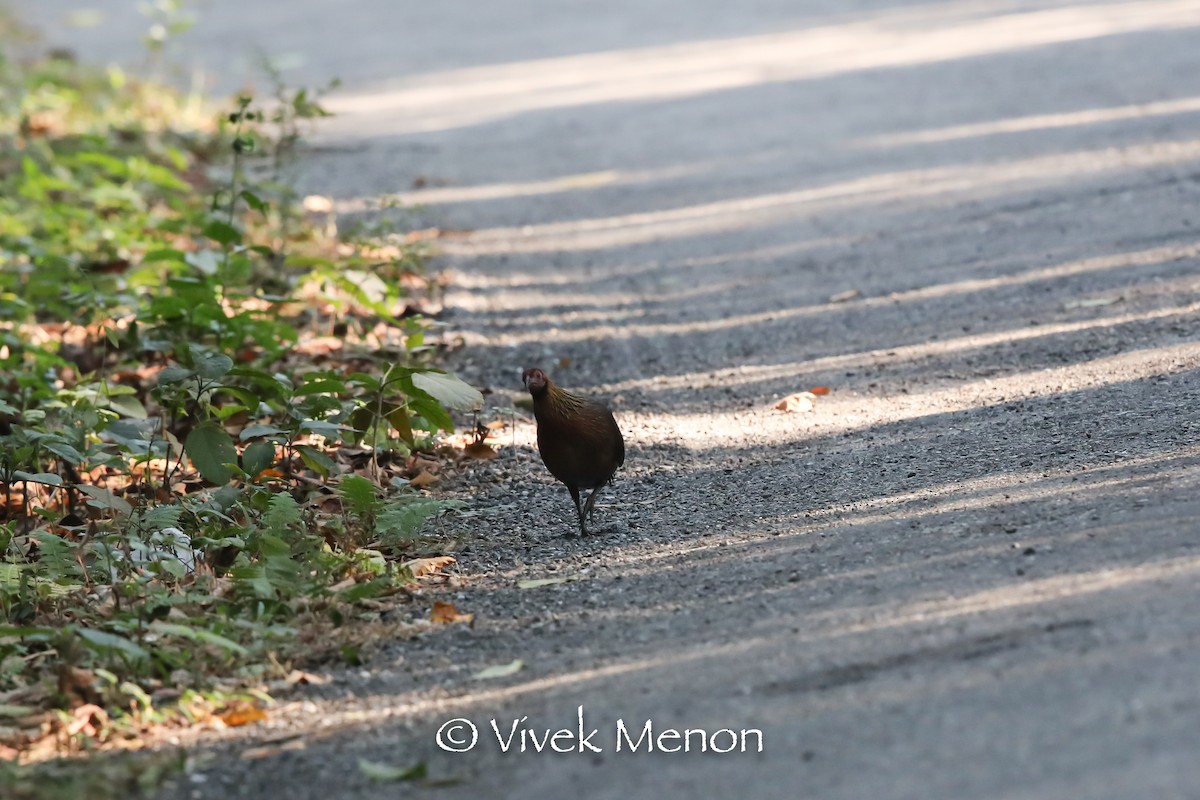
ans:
(535, 380)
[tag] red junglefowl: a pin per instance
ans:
(578, 438)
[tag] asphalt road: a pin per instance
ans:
(970, 571)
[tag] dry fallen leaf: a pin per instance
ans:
(420, 461)
(424, 566)
(1092, 302)
(242, 712)
(302, 677)
(317, 204)
(344, 584)
(798, 402)
(500, 670)
(819, 390)
(536, 583)
(386, 773)
(479, 450)
(41, 123)
(424, 478)
(89, 719)
(267, 751)
(320, 346)
(445, 613)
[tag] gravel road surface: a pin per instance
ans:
(970, 570)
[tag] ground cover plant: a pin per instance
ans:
(217, 414)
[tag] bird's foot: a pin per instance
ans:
(607, 528)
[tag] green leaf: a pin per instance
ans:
(10, 576)
(104, 499)
(198, 635)
(432, 412)
(321, 386)
(159, 517)
(254, 201)
(359, 494)
(282, 514)
(225, 412)
(208, 637)
(222, 232)
(213, 366)
(266, 384)
(63, 451)
(402, 421)
(174, 374)
(286, 574)
(226, 498)
(134, 438)
(386, 773)
(102, 640)
(365, 591)
(370, 383)
(315, 459)
(137, 693)
(449, 390)
(362, 419)
(206, 262)
(210, 447)
(47, 478)
(329, 430)
(258, 431)
(254, 576)
(257, 457)
(127, 406)
(16, 711)
(117, 168)
(258, 376)
(249, 399)
(26, 631)
(177, 158)
(164, 254)
(402, 518)
(164, 178)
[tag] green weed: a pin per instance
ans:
(165, 442)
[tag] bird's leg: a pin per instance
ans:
(574, 490)
(591, 502)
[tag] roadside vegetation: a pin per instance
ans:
(218, 413)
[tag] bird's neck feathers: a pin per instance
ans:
(558, 401)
